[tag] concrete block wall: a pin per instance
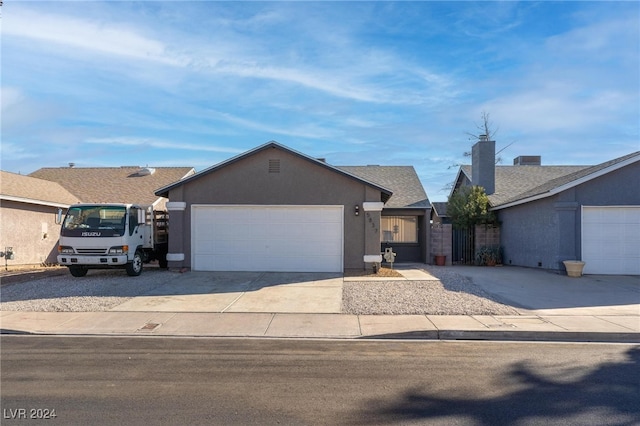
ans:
(441, 235)
(486, 235)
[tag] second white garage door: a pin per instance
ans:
(611, 240)
(267, 238)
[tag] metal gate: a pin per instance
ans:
(463, 246)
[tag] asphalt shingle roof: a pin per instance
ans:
(113, 184)
(511, 181)
(514, 183)
(35, 190)
(403, 181)
(440, 207)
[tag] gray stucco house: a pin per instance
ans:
(275, 209)
(553, 213)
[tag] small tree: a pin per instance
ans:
(469, 206)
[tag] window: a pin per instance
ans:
(399, 229)
(104, 221)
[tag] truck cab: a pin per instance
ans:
(99, 236)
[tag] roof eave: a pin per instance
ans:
(164, 191)
(571, 184)
(33, 201)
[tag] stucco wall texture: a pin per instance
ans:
(298, 182)
(31, 230)
(543, 233)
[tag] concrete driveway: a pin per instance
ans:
(541, 292)
(271, 292)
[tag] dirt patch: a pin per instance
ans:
(23, 274)
(382, 273)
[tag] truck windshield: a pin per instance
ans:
(94, 221)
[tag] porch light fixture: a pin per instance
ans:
(357, 210)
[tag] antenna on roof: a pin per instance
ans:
(72, 165)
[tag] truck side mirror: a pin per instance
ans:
(59, 217)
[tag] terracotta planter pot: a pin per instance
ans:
(573, 267)
(441, 260)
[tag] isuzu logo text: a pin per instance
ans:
(91, 234)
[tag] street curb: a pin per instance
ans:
(542, 336)
(432, 335)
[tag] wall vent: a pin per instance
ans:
(274, 166)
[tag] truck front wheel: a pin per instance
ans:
(134, 268)
(78, 271)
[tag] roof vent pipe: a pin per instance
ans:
(146, 171)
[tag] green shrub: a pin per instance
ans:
(489, 256)
(469, 206)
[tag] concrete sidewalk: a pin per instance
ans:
(616, 328)
(551, 307)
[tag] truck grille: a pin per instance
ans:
(91, 251)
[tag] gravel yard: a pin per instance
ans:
(451, 294)
(102, 290)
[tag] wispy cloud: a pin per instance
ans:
(88, 35)
(361, 82)
(159, 144)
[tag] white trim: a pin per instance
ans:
(176, 205)
(572, 184)
(32, 201)
(175, 257)
(372, 206)
(372, 258)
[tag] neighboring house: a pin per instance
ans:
(275, 209)
(549, 214)
(30, 203)
(30, 211)
(127, 184)
(439, 212)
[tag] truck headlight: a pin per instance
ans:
(65, 250)
(119, 250)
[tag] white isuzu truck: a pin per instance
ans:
(99, 236)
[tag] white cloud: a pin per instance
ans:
(306, 131)
(91, 35)
(158, 144)
(228, 58)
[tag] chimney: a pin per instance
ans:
(527, 160)
(483, 164)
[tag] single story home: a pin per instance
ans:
(32, 205)
(549, 214)
(30, 213)
(275, 209)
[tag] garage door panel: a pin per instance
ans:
(268, 238)
(611, 240)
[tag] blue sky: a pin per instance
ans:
(177, 83)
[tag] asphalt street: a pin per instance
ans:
(136, 381)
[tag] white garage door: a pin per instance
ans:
(267, 238)
(611, 240)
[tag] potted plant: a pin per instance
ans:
(574, 267)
